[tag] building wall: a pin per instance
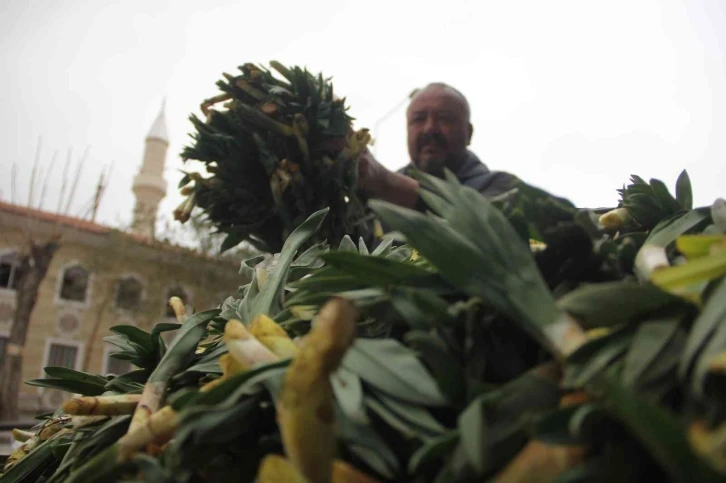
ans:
(107, 258)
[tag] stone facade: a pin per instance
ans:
(98, 278)
(101, 277)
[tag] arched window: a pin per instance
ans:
(128, 293)
(74, 284)
(9, 271)
(175, 292)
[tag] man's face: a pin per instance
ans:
(438, 128)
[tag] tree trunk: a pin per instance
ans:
(33, 268)
(90, 343)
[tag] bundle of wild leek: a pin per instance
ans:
(599, 355)
(278, 149)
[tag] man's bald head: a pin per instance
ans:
(439, 128)
(445, 87)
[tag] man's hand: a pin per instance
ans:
(375, 181)
(371, 175)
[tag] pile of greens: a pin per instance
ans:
(277, 148)
(519, 339)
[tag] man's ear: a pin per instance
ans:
(471, 133)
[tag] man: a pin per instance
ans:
(439, 133)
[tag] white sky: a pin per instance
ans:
(572, 96)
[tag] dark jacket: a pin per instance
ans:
(475, 174)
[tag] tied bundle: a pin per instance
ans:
(278, 148)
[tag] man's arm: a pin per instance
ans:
(375, 181)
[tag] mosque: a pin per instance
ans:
(101, 277)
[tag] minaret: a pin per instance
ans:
(149, 184)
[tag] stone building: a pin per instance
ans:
(101, 277)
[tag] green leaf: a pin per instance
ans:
(367, 445)
(510, 412)
(383, 247)
(347, 245)
(233, 388)
(390, 419)
(718, 216)
(212, 354)
(421, 308)
(658, 430)
(394, 369)
(362, 248)
(164, 327)
(501, 274)
(668, 230)
(123, 343)
(590, 423)
(209, 367)
(184, 180)
(416, 417)
(72, 374)
(594, 357)
(308, 262)
(89, 442)
(554, 428)
(375, 270)
(329, 279)
(498, 421)
(433, 450)
(664, 197)
(684, 193)
(132, 381)
(472, 425)
(33, 465)
(231, 241)
(221, 424)
(135, 335)
(348, 392)
(446, 370)
(60, 447)
(614, 303)
(678, 277)
(150, 468)
(650, 340)
(269, 299)
(105, 436)
(696, 246)
(69, 385)
(661, 376)
(707, 337)
(183, 346)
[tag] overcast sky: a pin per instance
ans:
(572, 96)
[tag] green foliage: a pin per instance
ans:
(453, 370)
(278, 151)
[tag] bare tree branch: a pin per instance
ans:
(76, 180)
(13, 181)
(34, 171)
(43, 190)
(65, 180)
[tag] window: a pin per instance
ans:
(116, 366)
(62, 355)
(3, 345)
(128, 293)
(74, 284)
(175, 292)
(9, 271)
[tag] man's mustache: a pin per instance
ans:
(433, 138)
